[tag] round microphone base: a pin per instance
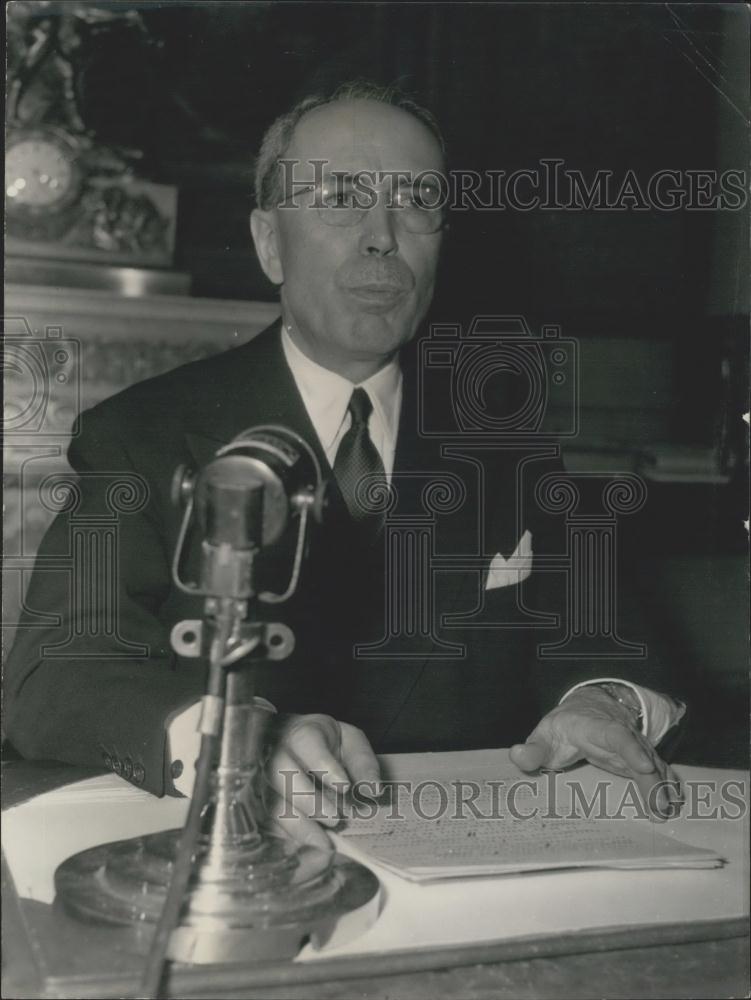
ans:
(260, 901)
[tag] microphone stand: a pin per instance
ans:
(210, 729)
(223, 889)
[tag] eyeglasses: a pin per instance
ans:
(418, 208)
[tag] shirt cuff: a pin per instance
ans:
(659, 713)
(184, 742)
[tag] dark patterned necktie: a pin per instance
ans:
(356, 458)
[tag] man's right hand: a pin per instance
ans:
(314, 760)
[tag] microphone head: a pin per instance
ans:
(246, 495)
(241, 502)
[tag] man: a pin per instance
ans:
(356, 279)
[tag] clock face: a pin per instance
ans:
(39, 175)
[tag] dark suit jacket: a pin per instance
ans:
(110, 688)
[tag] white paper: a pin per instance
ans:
(456, 820)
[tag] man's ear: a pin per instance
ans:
(263, 230)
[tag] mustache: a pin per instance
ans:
(385, 273)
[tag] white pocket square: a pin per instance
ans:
(511, 571)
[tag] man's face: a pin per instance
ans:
(355, 294)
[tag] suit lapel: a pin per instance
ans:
(254, 386)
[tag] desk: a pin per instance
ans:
(48, 955)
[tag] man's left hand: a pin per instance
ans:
(591, 725)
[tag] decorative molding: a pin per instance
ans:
(84, 312)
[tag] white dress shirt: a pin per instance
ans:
(326, 396)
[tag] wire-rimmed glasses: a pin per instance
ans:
(343, 200)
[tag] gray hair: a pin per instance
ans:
(278, 136)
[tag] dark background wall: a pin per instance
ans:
(617, 86)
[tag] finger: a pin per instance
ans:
(532, 755)
(628, 755)
(665, 792)
(659, 789)
(654, 796)
(669, 794)
(315, 743)
(304, 831)
(291, 784)
(671, 779)
(657, 792)
(358, 757)
(675, 788)
(326, 724)
(650, 787)
(607, 761)
(621, 740)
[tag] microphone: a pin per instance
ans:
(244, 500)
(230, 501)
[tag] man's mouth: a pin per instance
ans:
(376, 285)
(377, 293)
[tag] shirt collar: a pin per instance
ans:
(326, 394)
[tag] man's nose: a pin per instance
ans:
(378, 237)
